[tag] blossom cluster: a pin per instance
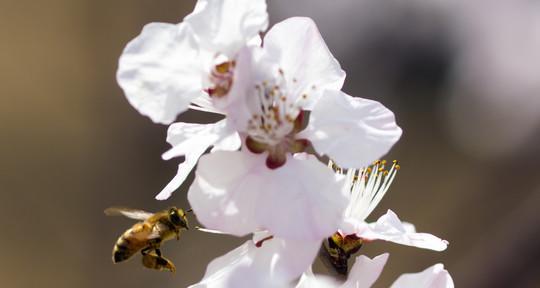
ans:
(283, 110)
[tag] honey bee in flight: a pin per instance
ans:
(148, 235)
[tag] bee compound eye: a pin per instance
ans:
(175, 218)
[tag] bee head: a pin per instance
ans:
(178, 217)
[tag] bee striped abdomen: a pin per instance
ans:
(126, 246)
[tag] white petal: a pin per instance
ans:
(433, 277)
(236, 193)
(236, 104)
(365, 271)
(182, 173)
(160, 72)
(204, 103)
(352, 225)
(275, 264)
(389, 228)
(224, 26)
(302, 54)
(363, 274)
(191, 140)
(353, 132)
(305, 195)
(310, 280)
(221, 195)
(184, 137)
(229, 142)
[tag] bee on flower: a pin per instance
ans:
(368, 187)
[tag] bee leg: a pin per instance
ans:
(154, 243)
(153, 261)
(165, 264)
(146, 250)
(158, 252)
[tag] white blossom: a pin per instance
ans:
(169, 68)
(267, 187)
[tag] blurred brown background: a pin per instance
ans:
(463, 79)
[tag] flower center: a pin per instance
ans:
(221, 78)
(276, 120)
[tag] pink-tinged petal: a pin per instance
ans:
(365, 271)
(224, 194)
(353, 132)
(236, 103)
(160, 72)
(192, 140)
(276, 263)
(236, 193)
(224, 26)
(241, 102)
(302, 54)
(433, 277)
(389, 228)
(301, 199)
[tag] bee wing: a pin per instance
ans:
(156, 231)
(128, 212)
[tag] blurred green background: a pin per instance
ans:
(71, 145)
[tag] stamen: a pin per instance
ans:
(367, 186)
(276, 112)
(277, 118)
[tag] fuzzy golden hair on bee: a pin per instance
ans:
(148, 235)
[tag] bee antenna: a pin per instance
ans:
(190, 210)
